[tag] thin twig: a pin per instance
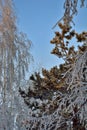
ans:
(57, 23)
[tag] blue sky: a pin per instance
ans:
(36, 18)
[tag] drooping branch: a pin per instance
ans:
(70, 10)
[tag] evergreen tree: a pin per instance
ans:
(59, 98)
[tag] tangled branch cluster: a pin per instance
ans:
(70, 7)
(71, 110)
(70, 10)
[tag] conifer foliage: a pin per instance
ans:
(59, 98)
(55, 100)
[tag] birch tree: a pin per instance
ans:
(14, 62)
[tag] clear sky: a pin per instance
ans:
(36, 18)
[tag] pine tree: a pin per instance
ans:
(65, 86)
